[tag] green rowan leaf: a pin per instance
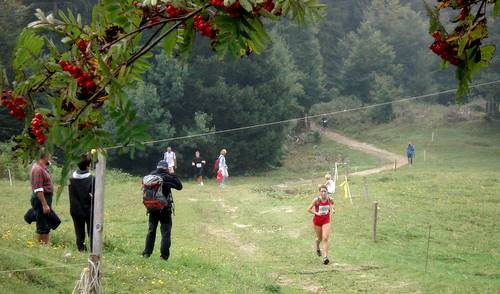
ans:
(246, 5)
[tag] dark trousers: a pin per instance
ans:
(80, 222)
(165, 218)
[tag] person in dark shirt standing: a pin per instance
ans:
(41, 199)
(81, 198)
(198, 163)
(164, 216)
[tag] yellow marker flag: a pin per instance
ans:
(347, 191)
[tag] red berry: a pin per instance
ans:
(82, 45)
(20, 101)
(39, 116)
(436, 35)
(62, 63)
(36, 123)
(89, 85)
(80, 81)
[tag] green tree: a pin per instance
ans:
(406, 31)
(365, 56)
(308, 59)
(342, 17)
(383, 90)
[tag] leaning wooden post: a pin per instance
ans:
(10, 177)
(375, 215)
(428, 243)
(432, 137)
(395, 164)
(424, 155)
(365, 186)
(98, 222)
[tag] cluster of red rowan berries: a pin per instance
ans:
(204, 27)
(37, 126)
(83, 79)
(444, 50)
(16, 105)
(175, 12)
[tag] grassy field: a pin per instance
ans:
(255, 236)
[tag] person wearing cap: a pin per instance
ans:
(164, 216)
(41, 199)
(81, 196)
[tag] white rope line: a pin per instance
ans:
(303, 118)
(32, 257)
(41, 268)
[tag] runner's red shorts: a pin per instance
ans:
(321, 220)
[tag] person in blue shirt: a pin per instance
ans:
(410, 153)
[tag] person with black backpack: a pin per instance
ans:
(157, 198)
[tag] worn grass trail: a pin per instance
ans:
(255, 236)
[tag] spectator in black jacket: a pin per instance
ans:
(81, 198)
(163, 216)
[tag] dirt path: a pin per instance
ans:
(366, 148)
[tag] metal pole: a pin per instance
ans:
(432, 137)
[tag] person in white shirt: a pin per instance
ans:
(330, 185)
(169, 157)
(223, 167)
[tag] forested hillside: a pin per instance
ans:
(364, 52)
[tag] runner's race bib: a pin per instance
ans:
(198, 165)
(324, 210)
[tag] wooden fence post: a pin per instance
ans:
(10, 177)
(375, 216)
(98, 225)
(365, 186)
(428, 243)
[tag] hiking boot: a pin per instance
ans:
(318, 252)
(326, 260)
(145, 255)
(162, 257)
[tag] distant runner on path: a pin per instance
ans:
(410, 153)
(330, 185)
(322, 206)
